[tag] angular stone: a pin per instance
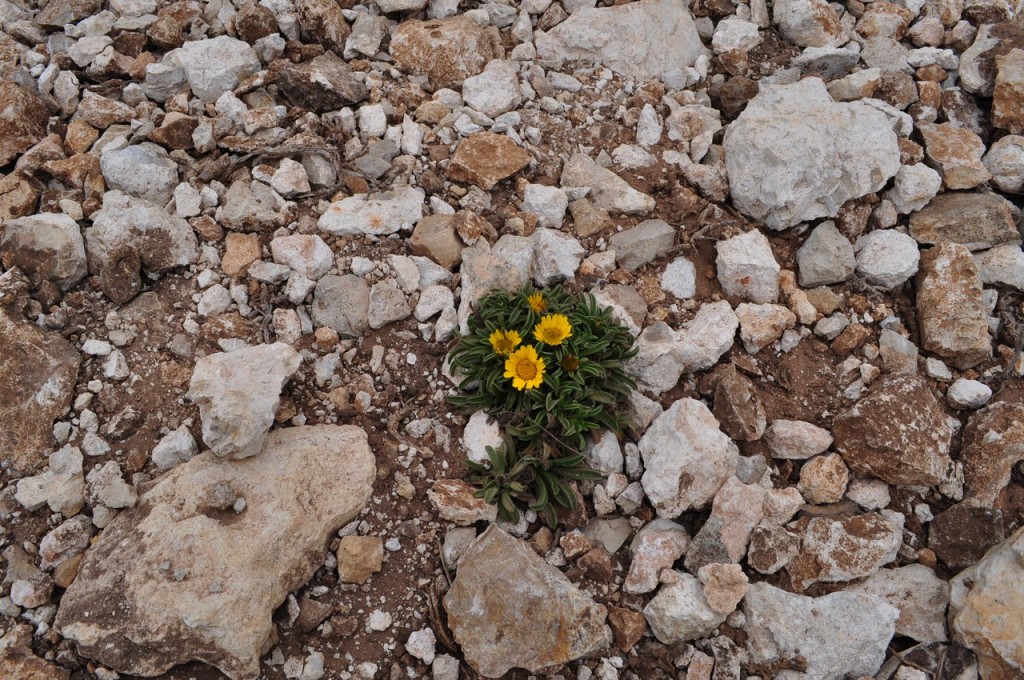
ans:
(1008, 92)
(961, 535)
(61, 486)
(324, 22)
(950, 308)
(627, 626)
(37, 380)
(306, 254)
(495, 90)
(737, 407)
(955, 153)
(22, 120)
(914, 186)
(1002, 265)
(736, 510)
(507, 608)
(163, 241)
(993, 442)
(142, 170)
(435, 237)
(325, 83)
(771, 548)
(485, 158)
(643, 243)
(18, 196)
(983, 604)
(200, 581)
(826, 257)
(796, 440)
(46, 247)
(839, 635)
(978, 221)
(655, 547)
(17, 659)
(376, 214)
(761, 325)
(808, 23)
(823, 479)
(455, 502)
(1005, 160)
(387, 304)
(482, 271)
(724, 586)
(852, 144)
(679, 612)
(359, 558)
(840, 550)
(918, 593)
(747, 267)
(887, 258)
(608, 191)
(253, 206)
(898, 433)
(642, 40)
(687, 458)
(447, 50)
(238, 394)
(215, 65)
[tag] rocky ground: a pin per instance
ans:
(239, 237)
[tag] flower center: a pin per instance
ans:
(552, 335)
(526, 369)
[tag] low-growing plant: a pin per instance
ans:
(548, 365)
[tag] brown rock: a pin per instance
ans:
(840, 550)
(961, 535)
(772, 548)
(1008, 95)
(574, 544)
(823, 479)
(725, 536)
(240, 251)
(724, 586)
(884, 19)
(58, 14)
(455, 502)
(627, 626)
(486, 158)
(446, 50)
(434, 237)
(587, 218)
(734, 95)
(897, 433)
(37, 379)
(507, 608)
(896, 88)
(22, 120)
(207, 228)
(254, 21)
(739, 411)
(18, 196)
(311, 614)
(10, 54)
(17, 661)
(978, 221)
(176, 131)
(120, 278)
(101, 112)
(955, 153)
(359, 558)
(950, 309)
(324, 84)
(851, 339)
(80, 136)
(472, 227)
(597, 565)
(65, 572)
(993, 443)
(324, 22)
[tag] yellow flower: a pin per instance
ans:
(504, 342)
(537, 303)
(525, 368)
(553, 329)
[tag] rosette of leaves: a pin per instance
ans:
(584, 383)
(542, 482)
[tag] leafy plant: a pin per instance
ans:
(539, 481)
(548, 365)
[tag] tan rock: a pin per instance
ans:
(240, 251)
(324, 22)
(1008, 95)
(446, 50)
(359, 558)
(823, 479)
(485, 158)
(22, 120)
(200, 579)
(955, 153)
(587, 218)
(736, 405)
(954, 324)
(993, 443)
(884, 19)
(840, 550)
(978, 221)
(17, 659)
(724, 586)
(736, 510)
(628, 627)
(761, 325)
(508, 608)
(984, 607)
(772, 548)
(80, 136)
(434, 237)
(454, 501)
(102, 112)
(18, 196)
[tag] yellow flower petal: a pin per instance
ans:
(553, 329)
(537, 303)
(525, 368)
(503, 342)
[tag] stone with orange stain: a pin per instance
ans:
(377, 214)
(840, 550)
(486, 158)
(1008, 94)
(455, 502)
(508, 608)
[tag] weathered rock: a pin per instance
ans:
(183, 576)
(61, 486)
(46, 247)
(495, 90)
(507, 608)
(771, 548)
(214, 66)
(687, 458)
(22, 121)
(950, 308)
(163, 241)
(737, 407)
(736, 510)
(747, 267)
(643, 243)
(655, 547)
(914, 186)
(982, 609)
(724, 586)
(16, 657)
(680, 278)
(325, 83)
(808, 23)
(664, 354)
(955, 153)
(238, 394)
(643, 40)
(918, 593)
(1002, 265)
(978, 221)
(1008, 92)
(446, 50)
(761, 325)
(342, 303)
(308, 255)
(18, 196)
(359, 558)
(840, 550)
(435, 237)
(485, 158)
(823, 479)
(829, 153)
(968, 394)
(887, 258)
(993, 442)
(456, 503)
(627, 626)
(839, 635)
(376, 214)
(547, 203)
(142, 170)
(1005, 160)
(796, 440)
(387, 304)
(37, 380)
(253, 206)
(898, 433)
(608, 191)
(679, 611)
(482, 271)
(324, 22)
(826, 257)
